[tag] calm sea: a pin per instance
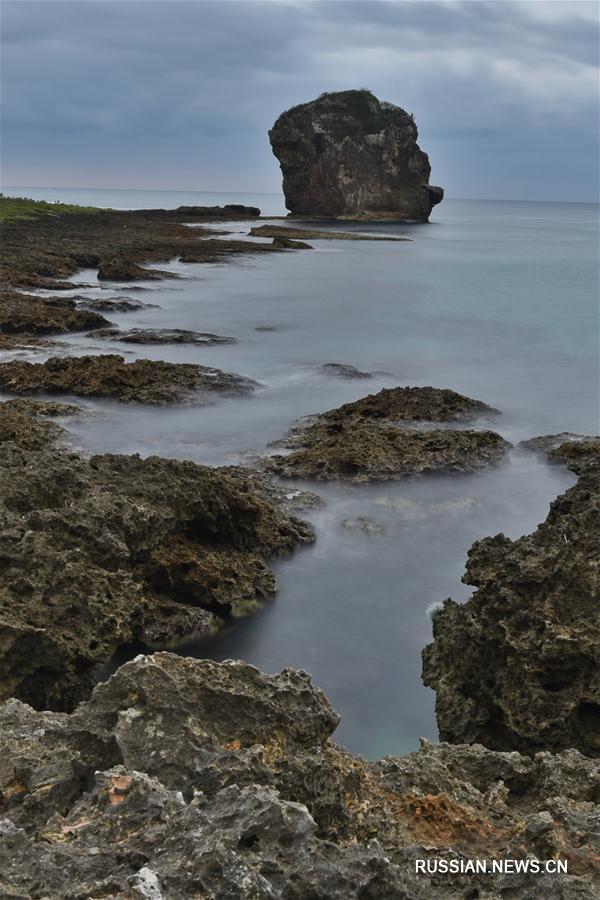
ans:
(498, 300)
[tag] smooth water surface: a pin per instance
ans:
(495, 300)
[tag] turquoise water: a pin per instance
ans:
(496, 300)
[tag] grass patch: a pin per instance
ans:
(23, 208)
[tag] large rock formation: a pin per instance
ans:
(517, 667)
(190, 778)
(347, 155)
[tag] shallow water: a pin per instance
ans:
(495, 300)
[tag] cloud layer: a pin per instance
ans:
(181, 93)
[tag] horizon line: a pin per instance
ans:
(265, 193)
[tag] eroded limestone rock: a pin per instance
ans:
(195, 778)
(518, 665)
(348, 155)
(369, 439)
(108, 375)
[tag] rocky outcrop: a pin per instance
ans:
(108, 375)
(518, 665)
(114, 304)
(102, 551)
(27, 423)
(364, 440)
(115, 269)
(343, 370)
(277, 232)
(348, 155)
(161, 336)
(190, 778)
(44, 252)
(27, 314)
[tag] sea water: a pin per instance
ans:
(497, 300)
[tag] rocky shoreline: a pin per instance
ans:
(184, 778)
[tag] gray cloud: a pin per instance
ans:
(172, 94)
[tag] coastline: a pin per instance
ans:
(476, 807)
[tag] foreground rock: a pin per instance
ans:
(362, 441)
(142, 381)
(518, 665)
(27, 314)
(278, 232)
(348, 155)
(161, 336)
(102, 551)
(189, 778)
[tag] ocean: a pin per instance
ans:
(497, 300)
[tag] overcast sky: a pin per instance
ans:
(179, 94)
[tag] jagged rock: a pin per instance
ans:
(27, 314)
(161, 336)
(362, 441)
(24, 422)
(195, 778)
(99, 552)
(108, 375)
(280, 232)
(518, 665)
(348, 155)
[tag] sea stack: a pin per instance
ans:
(348, 155)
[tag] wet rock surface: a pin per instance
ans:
(22, 314)
(279, 232)
(348, 155)
(363, 440)
(108, 375)
(518, 665)
(102, 551)
(161, 336)
(114, 304)
(190, 778)
(547, 442)
(28, 423)
(285, 243)
(46, 252)
(343, 370)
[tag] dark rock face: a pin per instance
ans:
(142, 381)
(190, 778)
(363, 441)
(102, 551)
(518, 665)
(348, 155)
